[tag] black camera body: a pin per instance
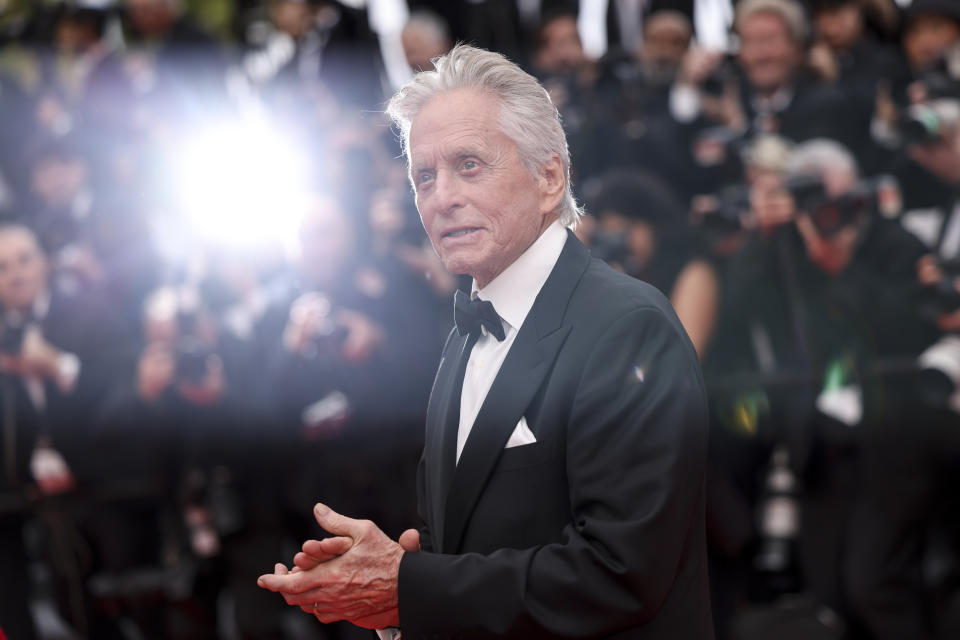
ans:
(611, 247)
(11, 340)
(192, 353)
(942, 297)
(867, 199)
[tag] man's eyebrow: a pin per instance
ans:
(416, 166)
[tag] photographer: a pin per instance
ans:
(817, 306)
(180, 429)
(345, 394)
(940, 227)
(54, 356)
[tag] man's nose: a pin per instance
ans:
(447, 191)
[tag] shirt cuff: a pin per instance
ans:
(684, 103)
(68, 370)
(391, 633)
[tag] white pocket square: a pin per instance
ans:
(521, 435)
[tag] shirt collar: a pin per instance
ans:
(515, 289)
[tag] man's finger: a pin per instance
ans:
(305, 561)
(410, 540)
(333, 547)
(316, 552)
(283, 580)
(334, 523)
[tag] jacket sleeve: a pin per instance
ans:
(635, 456)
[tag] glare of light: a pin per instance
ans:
(241, 185)
(638, 373)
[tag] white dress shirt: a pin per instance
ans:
(512, 294)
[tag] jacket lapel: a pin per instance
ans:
(438, 448)
(530, 359)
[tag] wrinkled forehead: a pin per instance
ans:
(453, 118)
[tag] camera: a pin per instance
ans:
(920, 124)
(610, 246)
(327, 335)
(11, 340)
(942, 297)
(923, 123)
(869, 198)
(723, 211)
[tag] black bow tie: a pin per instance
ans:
(470, 315)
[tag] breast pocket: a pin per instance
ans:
(527, 455)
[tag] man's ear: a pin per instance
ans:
(552, 182)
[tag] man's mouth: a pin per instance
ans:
(458, 233)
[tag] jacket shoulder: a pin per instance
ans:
(605, 293)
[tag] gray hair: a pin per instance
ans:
(527, 115)
(814, 157)
(789, 11)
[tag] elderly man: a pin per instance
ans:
(562, 479)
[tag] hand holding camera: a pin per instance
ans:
(199, 379)
(29, 354)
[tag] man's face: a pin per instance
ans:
(560, 49)
(421, 47)
(293, 18)
(23, 269)
(841, 27)
(151, 17)
(326, 243)
(768, 54)
(665, 41)
(926, 37)
(479, 204)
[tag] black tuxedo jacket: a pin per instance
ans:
(597, 529)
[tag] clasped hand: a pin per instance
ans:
(351, 576)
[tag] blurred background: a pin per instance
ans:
(218, 306)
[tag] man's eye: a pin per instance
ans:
(424, 177)
(470, 165)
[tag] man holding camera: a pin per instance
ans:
(52, 358)
(828, 299)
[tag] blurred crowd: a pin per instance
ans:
(218, 306)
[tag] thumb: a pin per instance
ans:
(333, 522)
(410, 540)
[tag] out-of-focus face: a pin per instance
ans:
(293, 18)
(479, 204)
(666, 38)
(560, 49)
(326, 243)
(926, 37)
(57, 181)
(23, 269)
(73, 37)
(840, 27)
(768, 54)
(420, 46)
(151, 17)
